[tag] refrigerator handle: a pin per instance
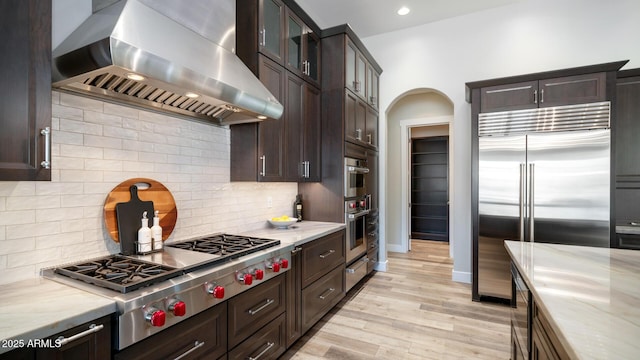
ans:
(522, 200)
(531, 205)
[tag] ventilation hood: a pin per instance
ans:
(165, 55)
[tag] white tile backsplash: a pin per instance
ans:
(95, 146)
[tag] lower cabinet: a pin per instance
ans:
(319, 297)
(93, 342)
(544, 342)
(294, 291)
(203, 336)
(268, 343)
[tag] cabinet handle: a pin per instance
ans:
(372, 100)
(46, 163)
(306, 169)
(196, 346)
(326, 293)
(263, 158)
(296, 250)
(356, 86)
(93, 328)
(541, 96)
(269, 346)
(262, 307)
(535, 96)
(263, 32)
(305, 67)
(322, 256)
(359, 134)
(369, 138)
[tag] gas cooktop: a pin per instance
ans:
(128, 273)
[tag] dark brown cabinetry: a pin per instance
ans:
(355, 118)
(25, 91)
(568, 90)
(627, 155)
(293, 301)
(92, 341)
(544, 342)
(284, 52)
(257, 321)
(204, 336)
(321, 296)
(320, 256)
(355, 69)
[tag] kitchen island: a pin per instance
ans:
(590, 296)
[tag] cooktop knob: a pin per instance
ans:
(259, 274)
(275, 267)
(155, 316)
(178, 308)
(284, 263)
(247, 279)
(216, 290)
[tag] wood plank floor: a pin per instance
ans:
(412, 311)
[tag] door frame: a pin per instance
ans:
(405, 192)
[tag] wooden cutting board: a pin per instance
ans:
(148, 190)
(129, 218)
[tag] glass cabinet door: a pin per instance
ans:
(372, 86)
(361, 68)
(295, 30)
(312, 62)
(271, 29)
(350, 62)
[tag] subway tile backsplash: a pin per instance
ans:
(95, 146)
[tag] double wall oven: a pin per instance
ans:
(357, 205)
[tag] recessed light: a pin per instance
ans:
(403, 11)
(262, 117)
(135, 77)
(191, 95)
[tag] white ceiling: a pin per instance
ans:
(372, 17)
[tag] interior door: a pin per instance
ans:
(500, 191)
(569, 176)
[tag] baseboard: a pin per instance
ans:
(460, 276)
(381, 266)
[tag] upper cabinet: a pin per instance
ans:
(302, 49)
(568, 90)
(25, 90)
(271, 37)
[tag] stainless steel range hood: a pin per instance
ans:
(165, 55)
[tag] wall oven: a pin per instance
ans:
(354, 177)
(356, 211)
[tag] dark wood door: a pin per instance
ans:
(294, 43)
(294, 106)
(508, 97)
(355, 118)
(293, 283)
(25, 89)
(271, 41)
(92, 346)
(312, 57)
(579, 89)
(271, 133)
(430, 188)
(312, 134)
(371, 125)
(373, 79)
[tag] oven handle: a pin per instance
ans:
(357, 169)
(357, 215)
(93, 328)
(196, 346)
(253, 312)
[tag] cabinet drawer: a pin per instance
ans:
(544, 340)
(321, 296)
(253, 309)
(268, 343)
(203, 336)
(91, 346)
(355, 272)
(321, 255)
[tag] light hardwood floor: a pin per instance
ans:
(412, 311)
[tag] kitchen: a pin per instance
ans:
(48, 223)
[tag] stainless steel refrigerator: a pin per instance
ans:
(543, 176)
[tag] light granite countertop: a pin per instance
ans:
(38, 308)
(591, 296)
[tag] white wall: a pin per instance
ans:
(526, 37)
(95, 146)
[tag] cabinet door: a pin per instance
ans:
(294, 43)
(361, 75)
(271, 133)
(271, 29)
(355, 118)
(312, 57)
(25, 89)
(293, 291)
(371, 125)
(571, 90)
(509, 97)
(351, 55)
(91, 346)
(627, 126)
(312, 134)
(321, 296)
(322, 255)
(267, 343)
(373, 78)
(294, 127)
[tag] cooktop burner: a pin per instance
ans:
(229, 246)
(119, 273)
